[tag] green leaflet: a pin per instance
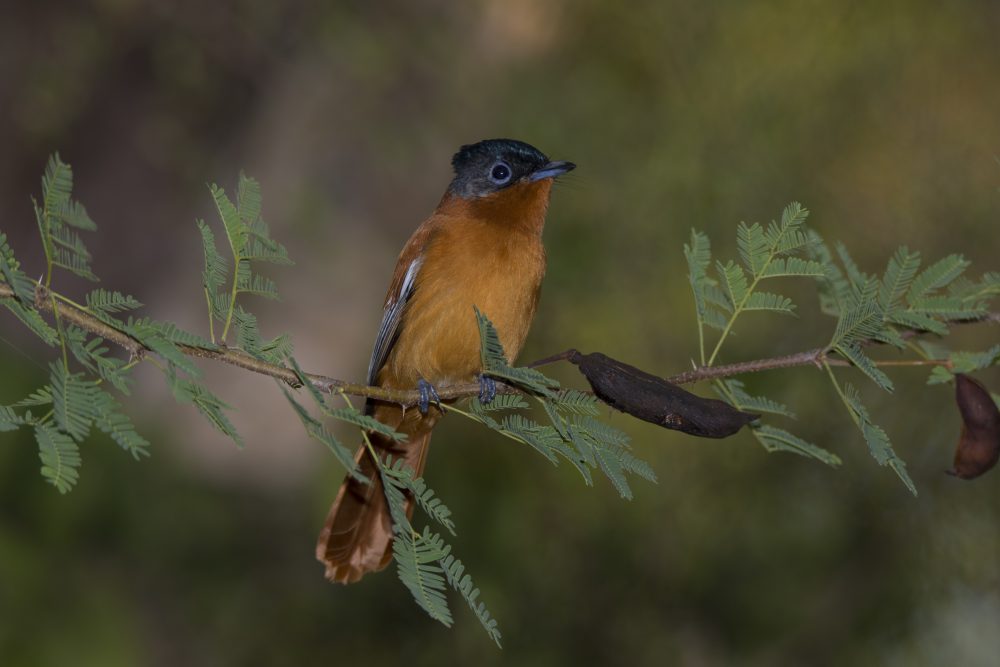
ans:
(699, 256)
(834, 287)
(249, 241)
(214, 274)
(753, 247)
(91, 354)
(454, 572)
(899, 274)
(962, 362)
(861, 322)
(776, 439)
(248, 199)
(10, 420)
(575, 402)
(10, 269)
(208, 404)
(768, 301)
(788, 267)
(877, 439)
(500, 402)
(152, 336)
(72, 401)
(572, 433)
(853, 353)
(317, 431)
(401, 476)
(236, 229)
(771, 438)
(424, 561)
(764, 254)
(59, 455)
(31, 319)
(104, 301)
(248, 336)
(358, 418)
(741, 400)
(734, 280)
(495, 364)
(58, 217)
(416, 556)
(937, 275)
(109, 418)
(348, 414)
(418, 568)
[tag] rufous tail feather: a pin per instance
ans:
(357, 536)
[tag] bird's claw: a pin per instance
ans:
(487, 389)
(428, 394)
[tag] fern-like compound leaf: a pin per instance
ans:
(59, 455)
(71, 401)
(734, 280)
(776, 439)
(776, 303)
(877, 439)
(105, 301)
(31, 319)
(852, 352)
(454, 572)
(742, 400)
(208, 404)
(109, 418)
(899, 275)
(236, 229)
(753, 247)
(316, 431)
(400, 474)
(934, 277)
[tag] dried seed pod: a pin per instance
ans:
(657, 401)
(979, 443)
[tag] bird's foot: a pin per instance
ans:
(487, 389)
(428, 395)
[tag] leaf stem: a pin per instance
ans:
(232, 294)
(738, 308)
(62, 332)
(211, 316)
(69, 301)
(843, 396)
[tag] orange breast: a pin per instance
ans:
(467, 263)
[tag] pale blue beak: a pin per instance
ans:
(552, 170)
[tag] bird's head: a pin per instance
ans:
(494, 165)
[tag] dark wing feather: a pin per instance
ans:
(388, 330)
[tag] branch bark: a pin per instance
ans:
(324, 383)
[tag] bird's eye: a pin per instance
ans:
(500, 173)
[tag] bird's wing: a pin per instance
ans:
(404, 282)
(388, 330)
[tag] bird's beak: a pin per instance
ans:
(551, 170)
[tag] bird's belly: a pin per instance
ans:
(439, 337)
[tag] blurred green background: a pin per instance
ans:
(883, 118)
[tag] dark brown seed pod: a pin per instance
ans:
(979, 443)
(657, 401)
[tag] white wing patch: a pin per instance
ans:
(389, 328)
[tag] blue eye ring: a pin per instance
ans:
(501, 173)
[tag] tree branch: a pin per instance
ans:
(80, 317)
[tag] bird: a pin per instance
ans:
(480, 248)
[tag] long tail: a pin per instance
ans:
(357, 536)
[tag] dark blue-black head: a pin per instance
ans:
(494, 164)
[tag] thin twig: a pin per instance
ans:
(407, 397)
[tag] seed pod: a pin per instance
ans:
(979, 443)
(657, 401)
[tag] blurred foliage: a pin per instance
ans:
(880, 116)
